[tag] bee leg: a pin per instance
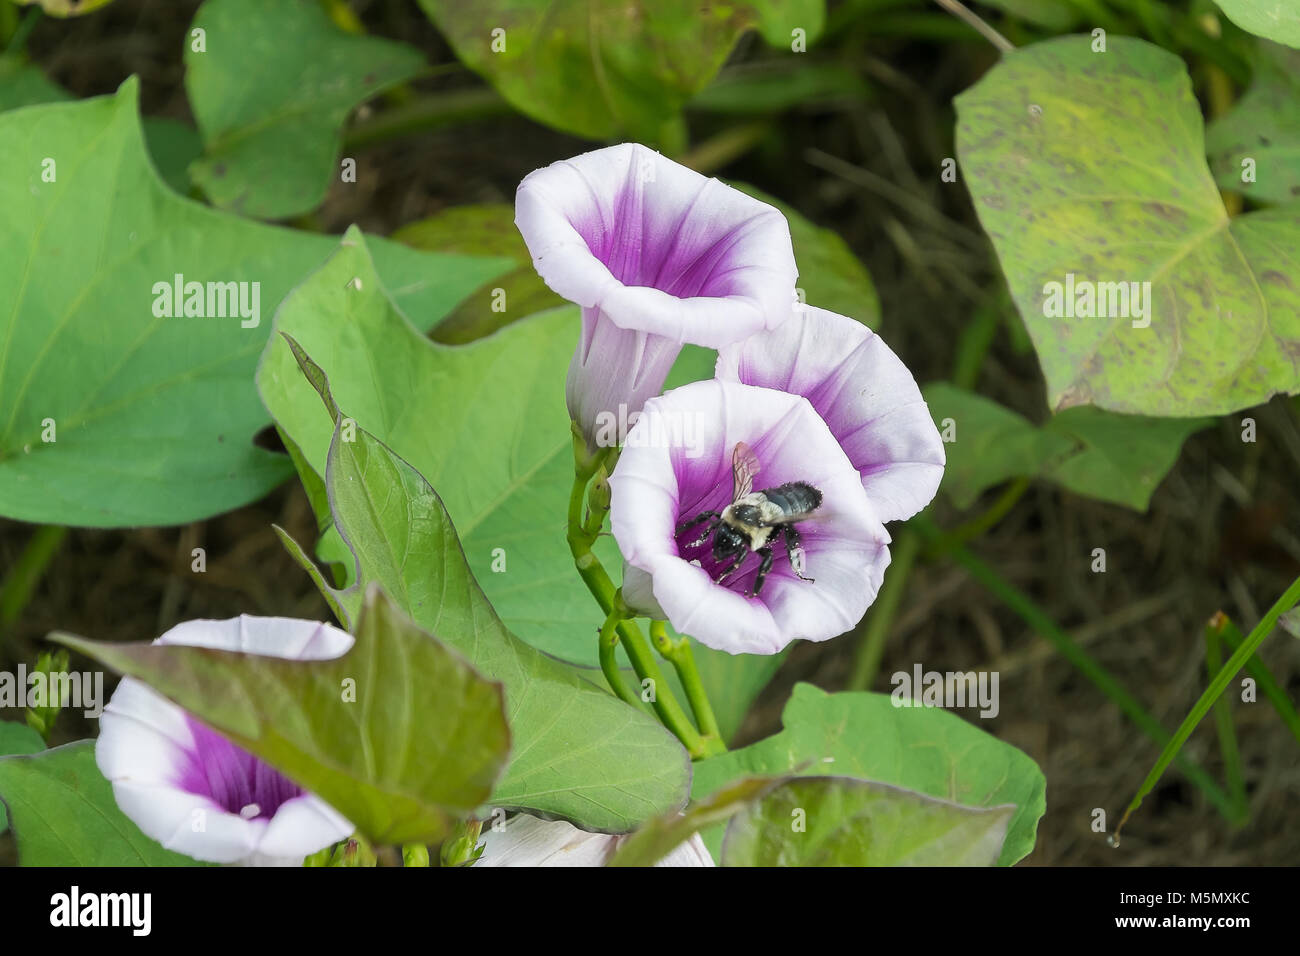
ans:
(702, 516)
(708, 530)
(735, 566)
(793, 552)
(763, 567)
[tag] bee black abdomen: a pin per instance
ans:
(795, 498)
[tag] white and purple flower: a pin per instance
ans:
(863, 392)
(530, 841)
(194, 791)
(657, 255)
(672, 572)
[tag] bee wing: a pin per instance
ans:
(744, 466)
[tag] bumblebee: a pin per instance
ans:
(754, 519)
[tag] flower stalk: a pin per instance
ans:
(619, 625)
(609, 657)
(679, 654)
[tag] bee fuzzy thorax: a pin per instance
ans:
(748, 516)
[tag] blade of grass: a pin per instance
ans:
(977, 526)
(877, 624)
(976, 340)
(972, 19)
(21, 579)
(1264, 679)
(1242, 654)
(1037, 618)
(1232, 770)
(17, 31)
(725, 147)
(424, 113)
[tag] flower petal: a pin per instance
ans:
(170, 773)
(188, 824)
(530, 841)
(691, 853)
(864, 393)
(158, 729)
(285, 637)
(302, 826)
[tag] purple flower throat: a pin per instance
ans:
(708, 487)
(233, 778)
(687, 256)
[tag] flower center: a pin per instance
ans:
(233, 778)
(691, 549)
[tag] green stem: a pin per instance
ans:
(878, 623)
(725, 147)
(1239, 657)
(598, 582)
(425, 113)
(665, 704)
(609, 658)
(679, 654)
(959, 10)
(18, 40)
(1035, 617)
(1232, 769)
(17, 586)
(981, 523)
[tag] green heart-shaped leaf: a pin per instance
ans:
(271, 87)
(17, 739)
(1277, 20)
(916, 748)
(1103, 455)
(602, 70)
(1088, 172)
(839, 821)
(112, 413)
(1255, 147)
(482, 230)
(64, 814)
(23, 84)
